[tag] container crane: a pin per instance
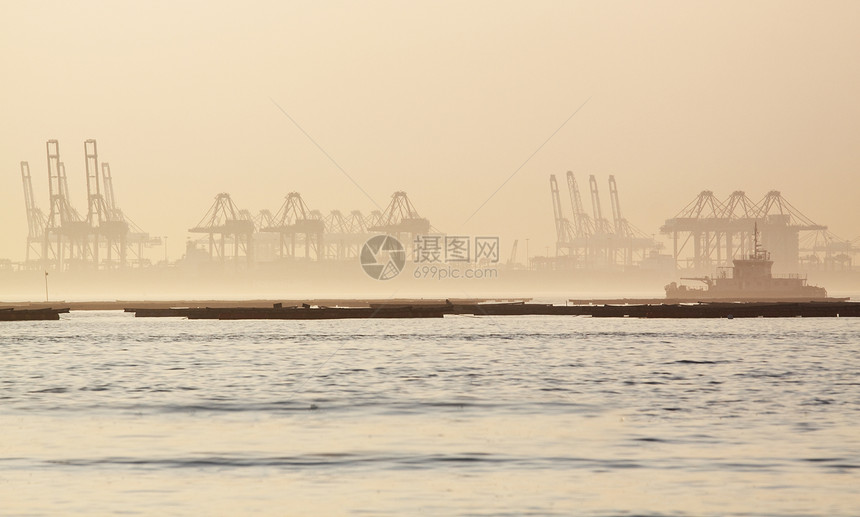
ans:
(66, 233)
(35, 217)
(581, 221)
(563, 229)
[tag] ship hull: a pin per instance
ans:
(809, 294)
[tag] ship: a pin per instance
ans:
(750, 279)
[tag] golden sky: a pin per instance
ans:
(444, 100)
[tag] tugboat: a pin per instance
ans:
(749, 280)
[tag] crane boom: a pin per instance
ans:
(580, 218)
(513, 259)
(96, 210)
(68, 211)
(616, 205)
(563, 230)
(55, 192)
(107, 181)
(556, 208)
(35, 217)
(599, 222)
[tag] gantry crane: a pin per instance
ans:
(722, 231)
(563, 229)
(292, 220)
(35, 217)
(591, 241)
(101, 219)
(601, 225)
(400, 217)
(66, 234)
(223, 219)
(135, 237)
(582, 223)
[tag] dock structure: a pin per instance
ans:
(41, 314)
(781, 309)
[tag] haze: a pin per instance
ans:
(444, 100)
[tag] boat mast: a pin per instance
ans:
(755, 240)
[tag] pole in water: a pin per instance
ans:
(46, 286)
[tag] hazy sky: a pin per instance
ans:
(441, 99)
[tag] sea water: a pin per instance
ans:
(103, 413)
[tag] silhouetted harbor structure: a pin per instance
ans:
(586, 241)
(709, 233)
(705, 235)
(105, 238)
(297, 232)
(230, 232)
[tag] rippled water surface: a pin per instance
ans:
(102, 413)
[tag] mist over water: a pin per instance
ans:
(105, 413)
(444, 102)
(468, 108)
